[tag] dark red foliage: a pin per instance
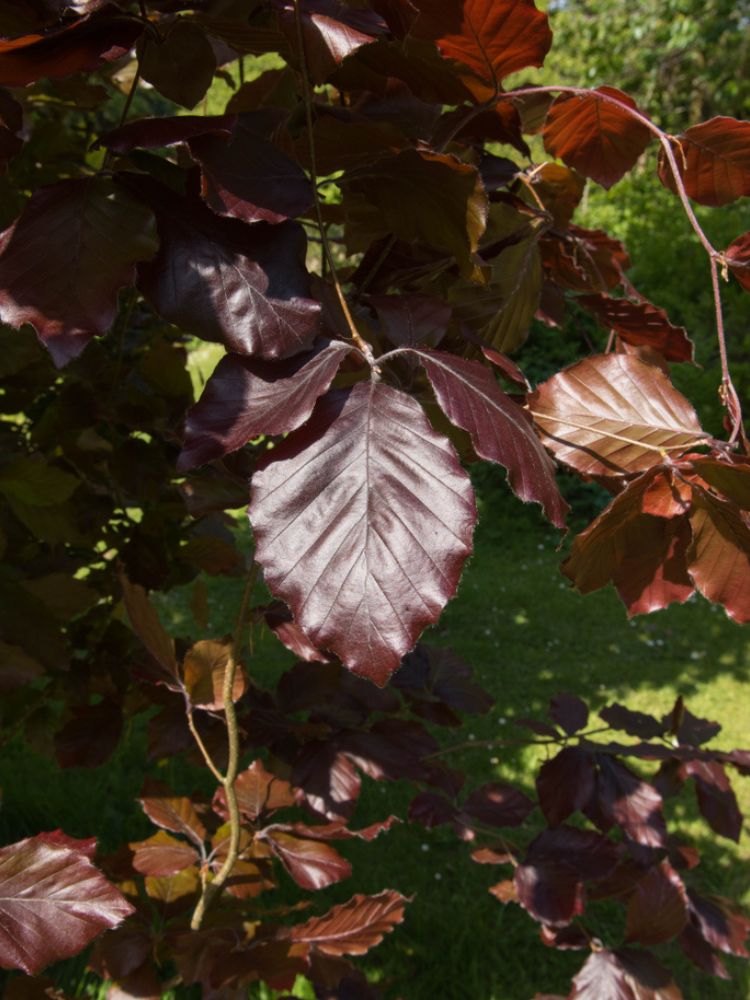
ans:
(350, 238)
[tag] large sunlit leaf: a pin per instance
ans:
(354, 927)
(500, 429)
(713, 159)
(595, 135)
(246, 397)
(492, 37)
(363, 519)
(222, 280)
(63, 261)
(53, 902)
(612, 414)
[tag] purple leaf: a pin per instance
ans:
(53, 902)
(354, 927)
(625, 974)
(501, 431)
(248, 177)
(568, 712)
(411, 320)
(311, 863)
(149, 132)
(246, 286)
(278, 618)
(363, 519)
(722, 925)
(630, 722)
(496, 804)
(565, 783)
(657, 907)
(630, 803)
(716, 800)
(246, 397)
(328, 780)
(63, 261)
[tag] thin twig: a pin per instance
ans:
(307, 97)
(213, 888)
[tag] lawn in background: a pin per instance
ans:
(527, 636)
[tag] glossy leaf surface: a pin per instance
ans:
(713, 159)
(354, 927)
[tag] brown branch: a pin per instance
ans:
(212, 889)
(307, 97)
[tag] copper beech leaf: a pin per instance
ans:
(204, 669)
(331, 31)
(625, 974)
(148, 627)
(248, 177)
(245, 397)
(311, 863)
(53, 902)
(147, 133)
(612, 414)
(180, 65)
(175, 813)
(641, 324)
(719, 555)
(258, 791)
(595, 134)
(222, 280)
(79, 45)
(353, 928)
(363, 519)
(500, 429)
(418, 195)
(492, 37)
(713, 159)
(65, 258)
(162, 855)
(738, 258)
(657, 907)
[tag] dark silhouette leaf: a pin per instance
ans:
(716, 800)
(625, 974)
(595, 135)
(64, 260)
(53, 902)
(149, 132)
(500, 430)
(657, 907)
(631, 722)
(223, 280)
(148, 627)
(362, 520)
(354, 927)
(245, 398)
(181, 65)
(412, 320)
(565, 784)
(497, 804)
(568, 712)
(248, 177)
(713, 159)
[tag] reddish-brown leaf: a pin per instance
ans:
(720, 923)
(497, 804)
(91, 734)
(175, 813)
(79, 45)
(223, 280)
(149, 132)
(716, 799)
(657, 907)
(630, 803)
(625, 974)
(203, 670)
(64, 260)
(362, 520)
(354, 927)
(53, 902)
(162, 855)
(148, 627)
(719, 556)
(258, 791)
(246, 397)
(248, 177)
(713, 159)
(612, 414)
(729, 479)
(565, 784)
(641, 324)
(738, 257)
(278, 618)
(311, 863)
(595, 133)
(492, 37)
(331, 31)
(412, 320)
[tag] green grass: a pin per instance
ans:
(528, 636)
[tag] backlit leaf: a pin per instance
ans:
(63, 261)
(713, 159)
(258, 791)
(625, 974)
(630, 803)
(738, 256)
(657, 907)
(148, 627)
(641, 324)
(362, 520)
(719, 556)
(418, 195)
(611, 414)
(500, 429)
(311, 863)
(354, 927)
(492, 37)
(162, 855)
(204, 668)
(595, 135)
(181, 65)
(176, 814)
(53, 902)
(245, 397)
(222, 280)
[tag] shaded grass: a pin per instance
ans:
(528, 636)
